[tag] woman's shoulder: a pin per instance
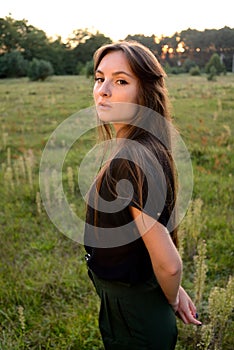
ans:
(132, 158)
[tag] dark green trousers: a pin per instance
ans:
(135, 317)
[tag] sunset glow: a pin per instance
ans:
(127, 18)
(180, 47)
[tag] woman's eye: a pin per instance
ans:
(99, 79)
(121, 82)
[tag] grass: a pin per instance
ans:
(204, 113)
(46, 298)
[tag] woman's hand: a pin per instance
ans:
(185, 309)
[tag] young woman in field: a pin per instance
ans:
(131, 255)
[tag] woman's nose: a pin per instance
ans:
(105, 90)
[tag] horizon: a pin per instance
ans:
(94, 31)
(128, 18)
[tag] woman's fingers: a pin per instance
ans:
(188, 319)
(192, 308)
(181, 316)
(187, 310)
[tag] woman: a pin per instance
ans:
(132, 259)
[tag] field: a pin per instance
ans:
(46, 298)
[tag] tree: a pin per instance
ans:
(188, 64)
(215, 62)
(148, 41)
(57, 56)
(31, 42)
(21, 36)
(212, 73)
(9, 39)
(89, 69)
(84, 51)
(78, 36)
(39, 70)
(13, 65)
(181, 51)
(195, 71)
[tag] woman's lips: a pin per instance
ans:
(104, 106)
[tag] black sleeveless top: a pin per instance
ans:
(115, 250)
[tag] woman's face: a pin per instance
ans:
(115, 89)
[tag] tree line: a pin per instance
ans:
(27, 50)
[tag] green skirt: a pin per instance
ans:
(135, 317)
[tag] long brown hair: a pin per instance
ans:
(152, 94)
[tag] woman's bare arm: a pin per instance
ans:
(166, 262)
(167, 265)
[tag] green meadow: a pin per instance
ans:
(46, 299)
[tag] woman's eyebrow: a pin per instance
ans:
(99, 71)
(115, 73)
(122, 72)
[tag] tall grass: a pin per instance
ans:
(46, 298)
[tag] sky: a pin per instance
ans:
(119, 18)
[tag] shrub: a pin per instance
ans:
(212, 73)
(176, 70)
(173, 69)
(167, 68)
(217, 315)
(195, 71)
(188, 65)
(89, 69)
(13, 65)
(80, 68)
(39, 69)
(215, 62)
